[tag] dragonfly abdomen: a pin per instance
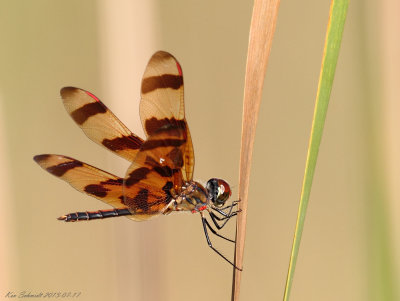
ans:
(100, 214)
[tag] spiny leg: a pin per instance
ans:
(214, 218)
(234, 203)
(225, 217)
(205, 225)
(99, 214)
(226, 214)
(215, 232)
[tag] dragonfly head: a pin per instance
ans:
(218, 191)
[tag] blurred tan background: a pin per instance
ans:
(351, 240)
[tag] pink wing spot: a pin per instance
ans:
(179, 68)
(92, 96)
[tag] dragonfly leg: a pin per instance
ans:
(226, 214)
(234, 203)
(207, 225)
(215, 218)
(205, 222)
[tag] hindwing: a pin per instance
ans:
(155, 177)
(84, 178)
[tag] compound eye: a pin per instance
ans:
(219, 191)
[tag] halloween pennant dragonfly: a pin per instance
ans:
(160, 178)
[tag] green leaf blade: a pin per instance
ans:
(337, 17)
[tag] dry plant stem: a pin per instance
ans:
(262, 29)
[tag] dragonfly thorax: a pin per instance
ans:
(192, 198)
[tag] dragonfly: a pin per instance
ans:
(159, 180)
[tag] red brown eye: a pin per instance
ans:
(218, 191)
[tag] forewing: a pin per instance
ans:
(155, 177)
(162, 102)
(85, 178)
(99, 123)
